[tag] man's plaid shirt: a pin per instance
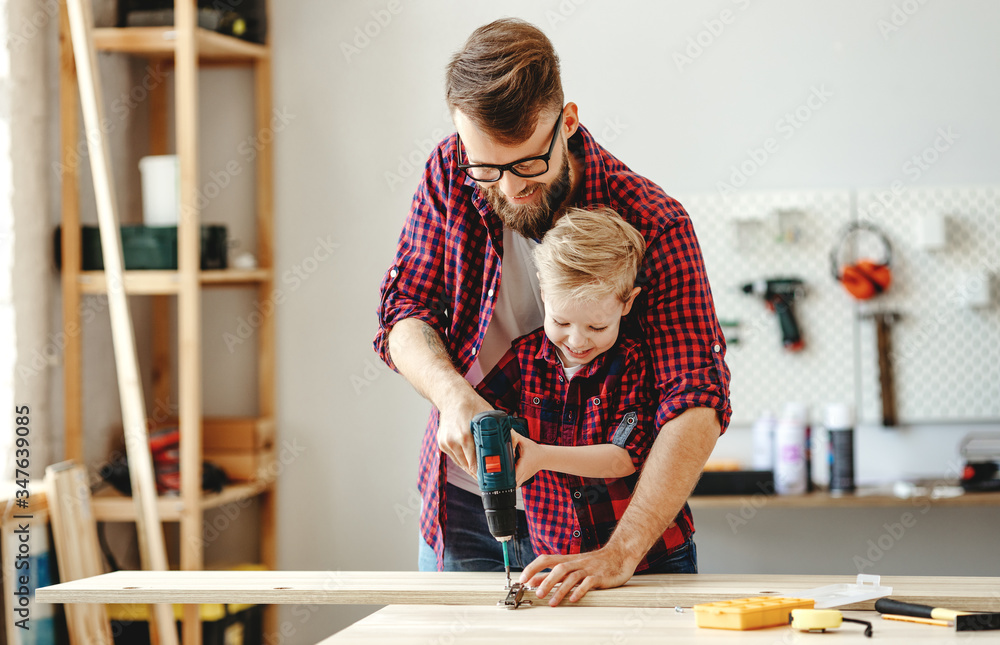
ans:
(447, 267)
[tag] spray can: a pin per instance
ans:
(762, 441)
(791, 472)
(839, 422)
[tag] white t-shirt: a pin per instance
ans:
(571, 371)
(518, 310)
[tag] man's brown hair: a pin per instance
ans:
(503, 78)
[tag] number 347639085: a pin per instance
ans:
(22, 445)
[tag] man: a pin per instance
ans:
(462, 287)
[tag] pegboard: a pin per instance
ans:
(946, 348)
(946, 354)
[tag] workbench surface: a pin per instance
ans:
(422, 624)
(484, 589)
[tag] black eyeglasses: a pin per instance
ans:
(529, 167)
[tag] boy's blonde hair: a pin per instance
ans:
(588, 255)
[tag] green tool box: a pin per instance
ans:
(147, 247)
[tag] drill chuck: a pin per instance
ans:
(501, 515)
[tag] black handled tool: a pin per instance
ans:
(779, 293)
(964, 621)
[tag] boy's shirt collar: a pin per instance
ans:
(550, 354)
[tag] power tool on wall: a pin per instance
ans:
(497, 481)
(778, 294)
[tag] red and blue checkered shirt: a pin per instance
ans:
(608, 401)
(447, 270)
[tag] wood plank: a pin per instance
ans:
(162, 359)
(461, 588)
(237, 434)
(161, 42)
(154, 282)
(189, 302)
(110, 506)
(74, 531)
(150, 532)
(863, 498)
(69, 124)
(421, 624)
(246, 465)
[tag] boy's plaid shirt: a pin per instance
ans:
(607, 401)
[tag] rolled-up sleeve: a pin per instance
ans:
(413, 286)
(632, 419)
(686, 344)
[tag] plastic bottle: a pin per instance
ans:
(791, 473)
(762, 441)
(839, 422)
(819, 457)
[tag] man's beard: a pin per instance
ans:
(533, 220)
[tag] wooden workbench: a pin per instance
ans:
(422, 624)
(484, 589)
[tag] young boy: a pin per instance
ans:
(581, 386)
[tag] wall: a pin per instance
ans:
(364, 83)
(684, 93)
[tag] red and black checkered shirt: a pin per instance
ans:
(447, 269)
(608, 401)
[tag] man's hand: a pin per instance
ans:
(579, 573)
(670, 472)
(421, 357)
(455, 431)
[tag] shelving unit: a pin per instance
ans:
(183, 48)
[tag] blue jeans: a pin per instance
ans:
(684, 559)
(468, 545)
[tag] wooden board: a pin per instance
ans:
(409, 588)
(150, 531)
(237, 434)
(77, 551)
(243, 465)
(420, 624)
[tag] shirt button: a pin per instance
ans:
(576, 534)
(473, 351)
(490, 293)
(597, 401)
(536, 400)
(577, 494)
(560, 378)
(716, 348)
(394, 273)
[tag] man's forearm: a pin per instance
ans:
(421, 357)
(672, 469)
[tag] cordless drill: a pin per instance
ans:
(779, 293)
(495, 472)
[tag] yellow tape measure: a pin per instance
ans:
(818, 620)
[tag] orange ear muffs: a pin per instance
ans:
(865, 278)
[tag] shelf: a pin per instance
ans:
(863, 498)
(161, 42)
(111, 506)
(168, 282)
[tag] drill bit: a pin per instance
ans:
(506, 562)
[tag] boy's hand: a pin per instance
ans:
(529, 459)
